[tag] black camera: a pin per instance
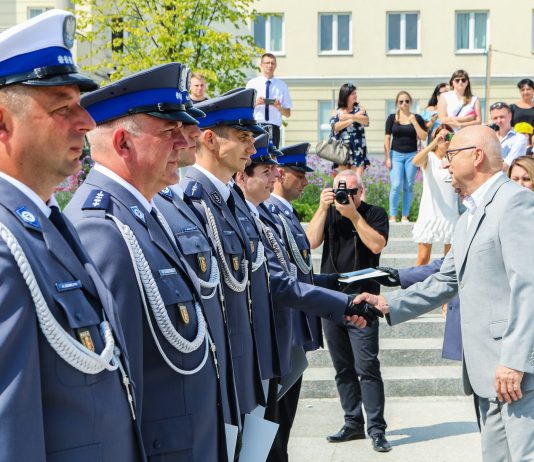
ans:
(342, 193)
(494, 127)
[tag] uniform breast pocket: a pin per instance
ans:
(302, 243)
(82, 322)
(233, 249)
(192, 241)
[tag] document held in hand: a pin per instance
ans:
(367, 273)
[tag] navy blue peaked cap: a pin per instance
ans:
(262, 155)
(232, 109)
(295, 157)
(158, 92)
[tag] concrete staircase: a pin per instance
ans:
(410, 353)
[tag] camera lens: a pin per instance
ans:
(342, 196)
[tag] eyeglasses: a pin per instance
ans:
(454, 152)
(460, 79)
(404, 101)
(499, 105)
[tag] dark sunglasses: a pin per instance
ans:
(499, 105)
(404, 101)
(460, 79)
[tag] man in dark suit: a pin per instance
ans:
(61, 389)
(174, 357)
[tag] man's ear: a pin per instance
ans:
(479, 157)
(6, 125)
(240, 177)
(121, 142)
(282, 173)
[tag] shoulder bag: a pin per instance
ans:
(333, 150)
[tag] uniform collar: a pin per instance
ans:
(132, 189)
(283, 201)
(221, 187)
(254, 210)
(31, 194)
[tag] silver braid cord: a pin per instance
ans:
(294, 248)
(228, 277)
(260, 258)
(68, 348)
(214, 278)
(289, 268)
(146, 280)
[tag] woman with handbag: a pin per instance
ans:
(459, 107)
(348, 126)
(403, 129)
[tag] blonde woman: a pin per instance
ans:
(438, 210)
(522, 172)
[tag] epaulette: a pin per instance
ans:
(166, 193)
(97, 200)
(194, 190)
(273, 208)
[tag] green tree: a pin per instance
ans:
(127, 36)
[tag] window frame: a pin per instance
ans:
(402, 50)
(334, 51)
(471, 38)
(324, 127)
(267, 38)
(43, 9)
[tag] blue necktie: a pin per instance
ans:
(267, 86)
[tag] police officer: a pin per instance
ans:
(224, 147)
(61, 345)
(174, 357)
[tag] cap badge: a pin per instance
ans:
(69, 31)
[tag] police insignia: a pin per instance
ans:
(27, 217)
(305, 253)
(216, 197)
(235, 262)
(252, 246)
(184, 313)
(69, 31)
(166, 193)
(202, 263)
(85, 339)
(138, 214)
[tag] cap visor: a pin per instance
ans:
(256, 129)
(305, 169)
(276, 152)
(81, 81)
(181, 116)
(194, 112)
(265, 162)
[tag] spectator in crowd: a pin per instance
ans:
(273, 100)
(354, 233)
(513, 144)
(403, 129)
(459, 107)
(527, 130)
(430, 114)
(438, 210)
(348, 124)
(523, 109)
(522, 172)
(197, 88)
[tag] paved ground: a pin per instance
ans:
(437, 429)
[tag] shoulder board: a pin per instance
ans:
(97, 200)
(194, 190)
(166, 193)
(273, 208)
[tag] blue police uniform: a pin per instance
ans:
(174, 359)
(58, 403)
(234, 109)
(193, 242)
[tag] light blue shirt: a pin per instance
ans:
(513, 145)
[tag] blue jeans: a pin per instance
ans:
(402, 174)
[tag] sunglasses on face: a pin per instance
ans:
(404, 101)
(460, 79)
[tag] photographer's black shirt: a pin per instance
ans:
(344, 251)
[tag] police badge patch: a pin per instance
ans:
(305, 254)
(235, 262)
(86, 340)
(184, 313)
(202, 263)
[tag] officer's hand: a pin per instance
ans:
(364, 310)
(327, 199)
(391, 280)
(347, 210)
(260, 101)
(378, 301)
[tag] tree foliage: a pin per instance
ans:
(127, 36)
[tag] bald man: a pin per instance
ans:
(490, 267)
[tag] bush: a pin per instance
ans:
(376, 180)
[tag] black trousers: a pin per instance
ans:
(354, 355)
(283, 413)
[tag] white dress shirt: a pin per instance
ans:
(278, 90)
(221, 187)
(513, 145)
(284, 201)
(473, 201)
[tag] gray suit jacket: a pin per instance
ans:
(490, 267)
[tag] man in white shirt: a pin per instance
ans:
(273, 99)
(197, 88)
(513, 144)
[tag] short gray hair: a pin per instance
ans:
(344, 174)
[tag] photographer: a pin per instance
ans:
(354, 233)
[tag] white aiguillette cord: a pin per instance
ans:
(68, 348)
(147, 285)
(293, 246)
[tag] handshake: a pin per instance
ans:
(364, 310)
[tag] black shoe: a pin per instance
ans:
(347, 434)
(380, 443)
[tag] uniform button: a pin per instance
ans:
(156, 444)
(78, 316)
(177, 292)
(197, 245)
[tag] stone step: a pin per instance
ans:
(431, 325)
(398, 381)
(400, 230)
(396, 352)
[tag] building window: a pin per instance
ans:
(403, 32)
(268, 33)
(335, 33)
(36, 11)
(325, 113)
(471, 31)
